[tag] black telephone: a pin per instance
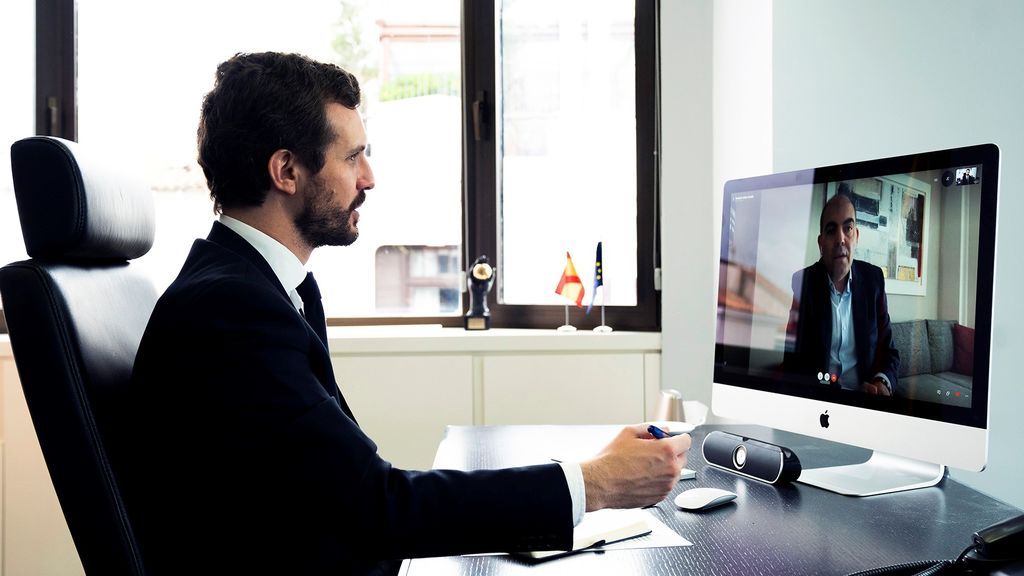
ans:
(1000, 544)
(996, 550)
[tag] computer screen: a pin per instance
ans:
(855, 304)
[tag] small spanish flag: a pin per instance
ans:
(570, 285)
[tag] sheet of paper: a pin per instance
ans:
(661, 536)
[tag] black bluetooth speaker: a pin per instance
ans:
(751, 458)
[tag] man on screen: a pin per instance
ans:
(839, 319)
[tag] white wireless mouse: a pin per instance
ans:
(703, 498)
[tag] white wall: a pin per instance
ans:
(687, 198)
(843, 81)
(716, 122)
(876, 78)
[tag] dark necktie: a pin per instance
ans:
(313, 310)
(312, 307)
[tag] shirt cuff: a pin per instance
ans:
(577, 490)
(885, 380)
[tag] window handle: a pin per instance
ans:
(479, 116)
(52, 116)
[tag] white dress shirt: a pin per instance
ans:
(842, 356)
(286, 265)
(290, 272)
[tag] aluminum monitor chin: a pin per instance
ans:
(855, 305)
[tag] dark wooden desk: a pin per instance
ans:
(789, 529)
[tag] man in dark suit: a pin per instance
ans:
(241, 455)
(839, 320)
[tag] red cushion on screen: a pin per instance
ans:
(963, 350)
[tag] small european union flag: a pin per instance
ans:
(598, 278)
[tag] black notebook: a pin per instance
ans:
(601, 528)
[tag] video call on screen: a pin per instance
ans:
(916, 232)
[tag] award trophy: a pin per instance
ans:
(480, 279)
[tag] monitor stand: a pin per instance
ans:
(881, 474)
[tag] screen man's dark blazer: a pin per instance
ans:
(810, 326)
(241, 455)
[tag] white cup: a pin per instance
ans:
(670, 406)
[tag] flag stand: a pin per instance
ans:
(599, 283)
(566, 327)
(603, 328)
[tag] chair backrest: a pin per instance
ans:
(76, 311)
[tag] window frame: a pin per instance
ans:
(56, 74)
(481, 209)
(56, 69)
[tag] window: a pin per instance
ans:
(568, 160)
(17, 36)
(411, 81)
(525, 192)
(406, 55)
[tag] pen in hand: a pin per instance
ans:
(658, 433)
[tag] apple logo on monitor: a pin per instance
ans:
(824, 419)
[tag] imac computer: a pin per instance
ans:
(855, 305)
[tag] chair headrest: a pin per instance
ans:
(75, 205)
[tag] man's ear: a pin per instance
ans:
(284, 170)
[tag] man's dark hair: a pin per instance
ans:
(843, 193)
(262, 103)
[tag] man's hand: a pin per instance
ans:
(877, 387)
(634, 470)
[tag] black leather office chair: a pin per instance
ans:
(76, 311)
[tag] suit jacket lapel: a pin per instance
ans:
(313, 307)
(823, 310)
(224, 236)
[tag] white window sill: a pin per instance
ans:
(434, 338)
